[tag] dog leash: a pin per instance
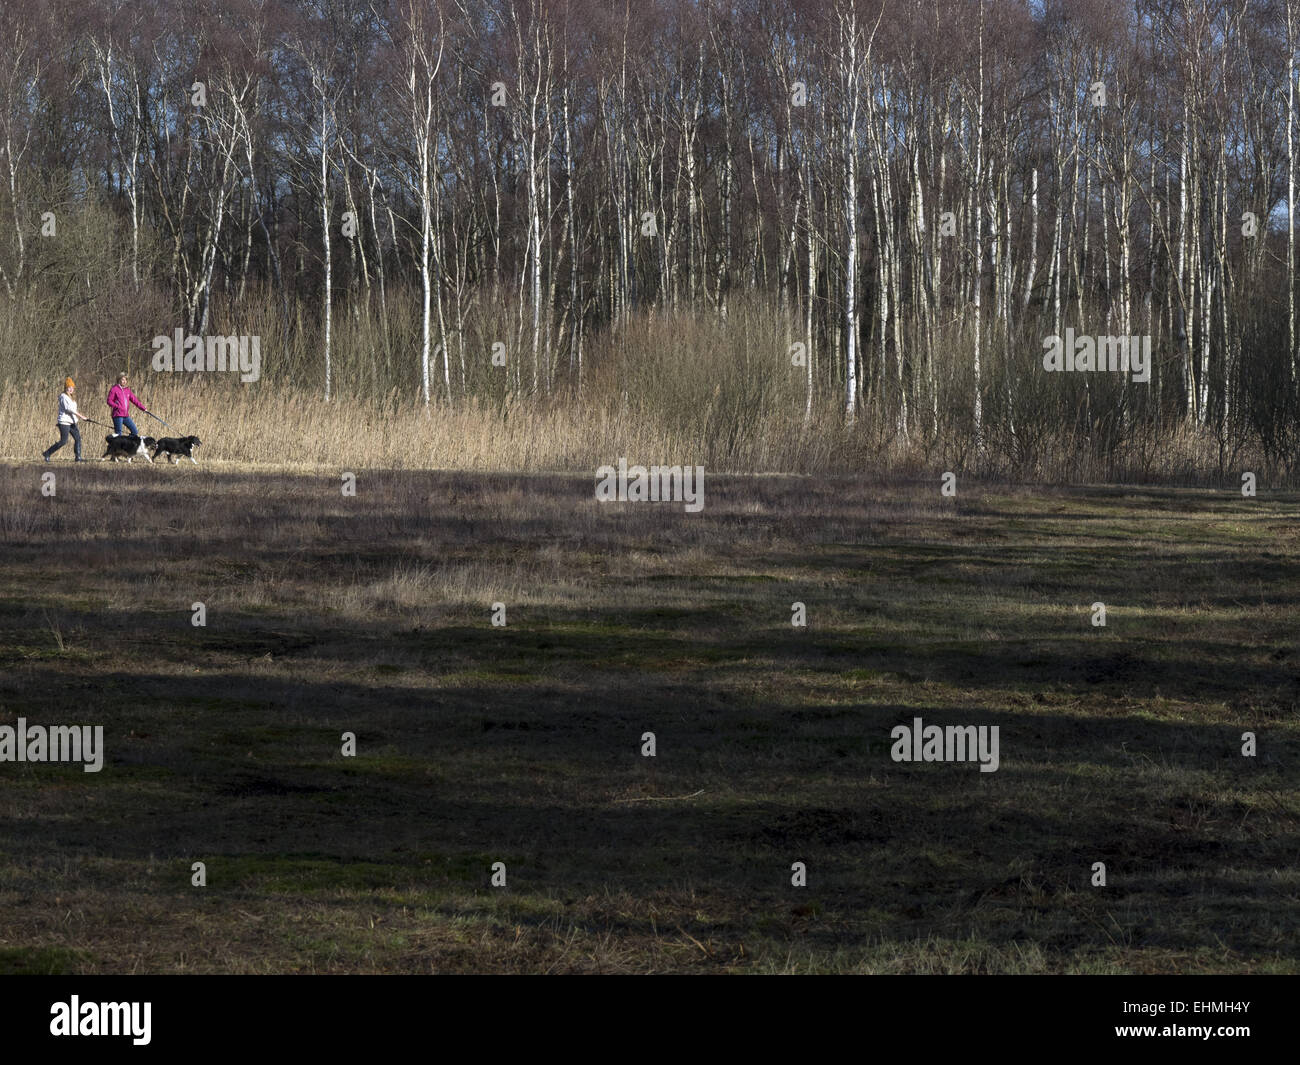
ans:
(157, 419)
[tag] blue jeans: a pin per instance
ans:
(64, 432)
(120, 420)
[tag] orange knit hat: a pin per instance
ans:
(69, 383)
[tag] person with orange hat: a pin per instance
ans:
(67, 423)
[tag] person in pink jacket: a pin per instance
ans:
(120, 398)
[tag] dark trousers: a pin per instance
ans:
(64, 432)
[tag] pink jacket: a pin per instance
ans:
(119, 399)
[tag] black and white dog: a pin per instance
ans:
(127, 447)
(176, 448)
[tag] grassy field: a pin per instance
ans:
(521, 744)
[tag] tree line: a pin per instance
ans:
(923, 191)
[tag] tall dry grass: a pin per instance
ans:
(266, 426)
(675, 387)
